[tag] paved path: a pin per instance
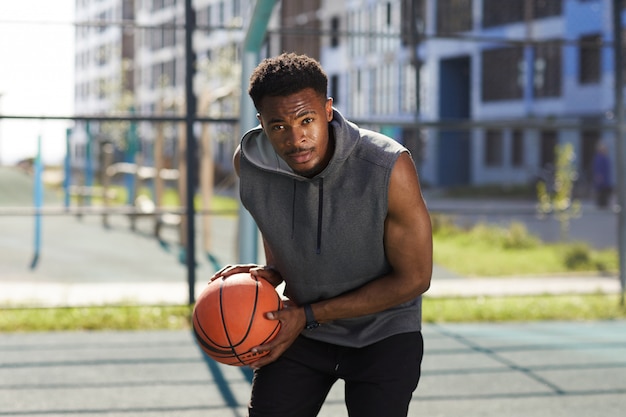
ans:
(470, 370)
(82, 263)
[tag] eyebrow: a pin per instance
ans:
(298, 116)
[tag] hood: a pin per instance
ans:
(257, 149)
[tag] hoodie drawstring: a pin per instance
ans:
(320, 212)
(293, 210)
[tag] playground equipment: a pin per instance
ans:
(136, 176)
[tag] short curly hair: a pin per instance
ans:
(284, 75)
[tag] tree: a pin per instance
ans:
(557, 201)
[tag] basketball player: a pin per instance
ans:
(345, 227)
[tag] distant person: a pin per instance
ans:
(346, 229)
(602, 182)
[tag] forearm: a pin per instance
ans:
(378, 295)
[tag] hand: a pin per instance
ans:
(233, 269)
(261, 271)
(292, 320)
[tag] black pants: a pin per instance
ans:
(379, 379)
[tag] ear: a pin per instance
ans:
(329, 109)
(258, 117)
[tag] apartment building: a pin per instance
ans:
(104, 71)
(562, 74)
(485, 61)
(134, 62)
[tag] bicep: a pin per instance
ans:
(408, 233)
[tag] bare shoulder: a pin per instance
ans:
(404, 185)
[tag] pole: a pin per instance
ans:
(620, 146)
(207, 178)
(415, 32)
(130, 180)
(190, 99)
(255, 36)
(88, 165)
(529, 59)
(38, 202)
(158, 165)
(67, 169)
(1, 94)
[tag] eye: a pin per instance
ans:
(307, 120)
(276, 128)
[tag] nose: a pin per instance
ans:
(295, 135)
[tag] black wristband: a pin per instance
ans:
(311, 323)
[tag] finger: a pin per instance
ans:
(266, 360)
(231, 270)
(220, 272)
(268, 273)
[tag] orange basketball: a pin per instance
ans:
(229, 318)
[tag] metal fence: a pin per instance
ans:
(73, 232)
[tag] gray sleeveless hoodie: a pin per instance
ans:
(326, 232)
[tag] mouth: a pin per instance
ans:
(300, 156)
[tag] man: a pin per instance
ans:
(602, 182)
(346, 229)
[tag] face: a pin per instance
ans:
(297, 127)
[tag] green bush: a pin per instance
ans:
(518, 237)
(578, 257)
(490, 250)
(443, 225)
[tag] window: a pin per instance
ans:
(547, 69)
(407, 92)
(203, 16)
(236, 8)
(102, 17)
(169, 73)
(334, 88)
(157, 4)
(493, 148)
(412, 12)
(589, 59)
(334, 31)
(497, 12)
(547, 8)
(454, 16)
(517, 148)
(169, 34)
(221, 13)
(500, 74)
(128, 11)
(548, 148)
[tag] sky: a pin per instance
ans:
(36, 76)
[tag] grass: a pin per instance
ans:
(435, 310)
(523, 308)
(95, 318)
(170, 198)
(492, 251)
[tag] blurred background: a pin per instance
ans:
(118, 120)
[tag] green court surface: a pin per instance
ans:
(553, 369)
